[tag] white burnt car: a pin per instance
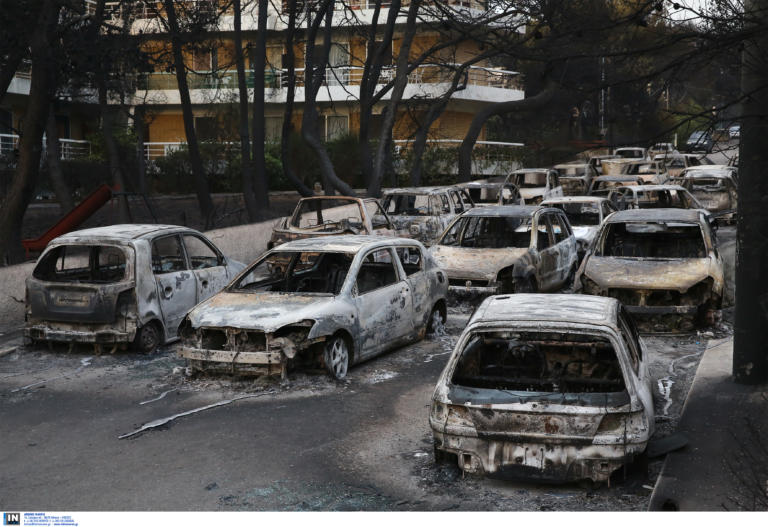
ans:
(662, 264)
(552, 387)
(508, 249)
(534, 184)
(585, 214)
(112, 286)
(329, 302)
(422, 213)
(653, 197)
(575, 178)
(330, 216)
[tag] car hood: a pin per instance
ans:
(635, 273)
(258, 311)
(474, 264)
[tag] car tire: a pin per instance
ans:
(148, 339)
(436, 321)
(336, 357)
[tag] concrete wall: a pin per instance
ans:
(243, 243)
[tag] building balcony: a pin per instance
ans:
(341, 83)
(69, 149)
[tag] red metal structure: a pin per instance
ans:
(72, 220)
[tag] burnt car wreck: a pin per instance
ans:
(548, 387)
(125, 284)
(662, 264)
(325, 302)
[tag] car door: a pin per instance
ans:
(176, 284)
(411, 260)
(458, 205)
(545, 246)
(639, 363)
(382, 300)
(207, 265)
(566, 246)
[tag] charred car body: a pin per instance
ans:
(535, 184)
(507, 249)
(488, 194)
(111, 286)
(602, 186)
(551, 387)
(651, 172)
(653, 197)
(423, 213)
(662, 264)
(329, 302)
(575, 178)
(332, 215)
(715, 189)
(585, 214)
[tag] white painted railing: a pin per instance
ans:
(337, 76)
(69, 149)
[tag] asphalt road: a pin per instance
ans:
(306, 443)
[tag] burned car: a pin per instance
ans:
(596, 162)
(319, 302)
(549, 387)
(575, 178)
(631, 152)
(113, 286)
(487, 194)
(716, 190)
(653, 197)
(602, 186)
(662, 264)
(423, 213)
(507, 249)
(585, 214)
(332, 215)
(651, 172)
(535, 184)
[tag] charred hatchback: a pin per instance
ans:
(552, 387)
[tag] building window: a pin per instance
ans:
(273, 128)
(336, 126)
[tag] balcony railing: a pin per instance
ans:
(69, 149)
(336, 76)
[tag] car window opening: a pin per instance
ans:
(539, 362)
(97, 264)
(297, 272)
(653, 240)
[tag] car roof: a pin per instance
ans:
(585, 309)
(126, 231)
(680, 215)
(418, 190)
(618, 177)
(574, 164)
(482, 184)
(346, 243)
(573, 199)
(704, 173)
(351, 198)
(503, 210)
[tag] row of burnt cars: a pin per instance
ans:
(552, 386)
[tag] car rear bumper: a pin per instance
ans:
(78, 334)
(557, 461)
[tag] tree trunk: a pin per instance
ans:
(261, 183)
(523, 105)
(313, 81)
(53, 158)
(113, 153)
(750, 359)
(285, 133)
(195, 160)
(246, 165)
(383, 161)
(14, 204)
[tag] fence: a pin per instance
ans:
(69, 149)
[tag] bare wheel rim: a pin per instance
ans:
(149, 338)
(339, 358)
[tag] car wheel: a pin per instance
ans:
(147, 339)
(436, 323)
(336, 357)
(526, 285)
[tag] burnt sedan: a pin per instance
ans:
(113, 286)
(508, 249)
(551, 387)
(585, 214)
(321, 302)
(662, 264)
